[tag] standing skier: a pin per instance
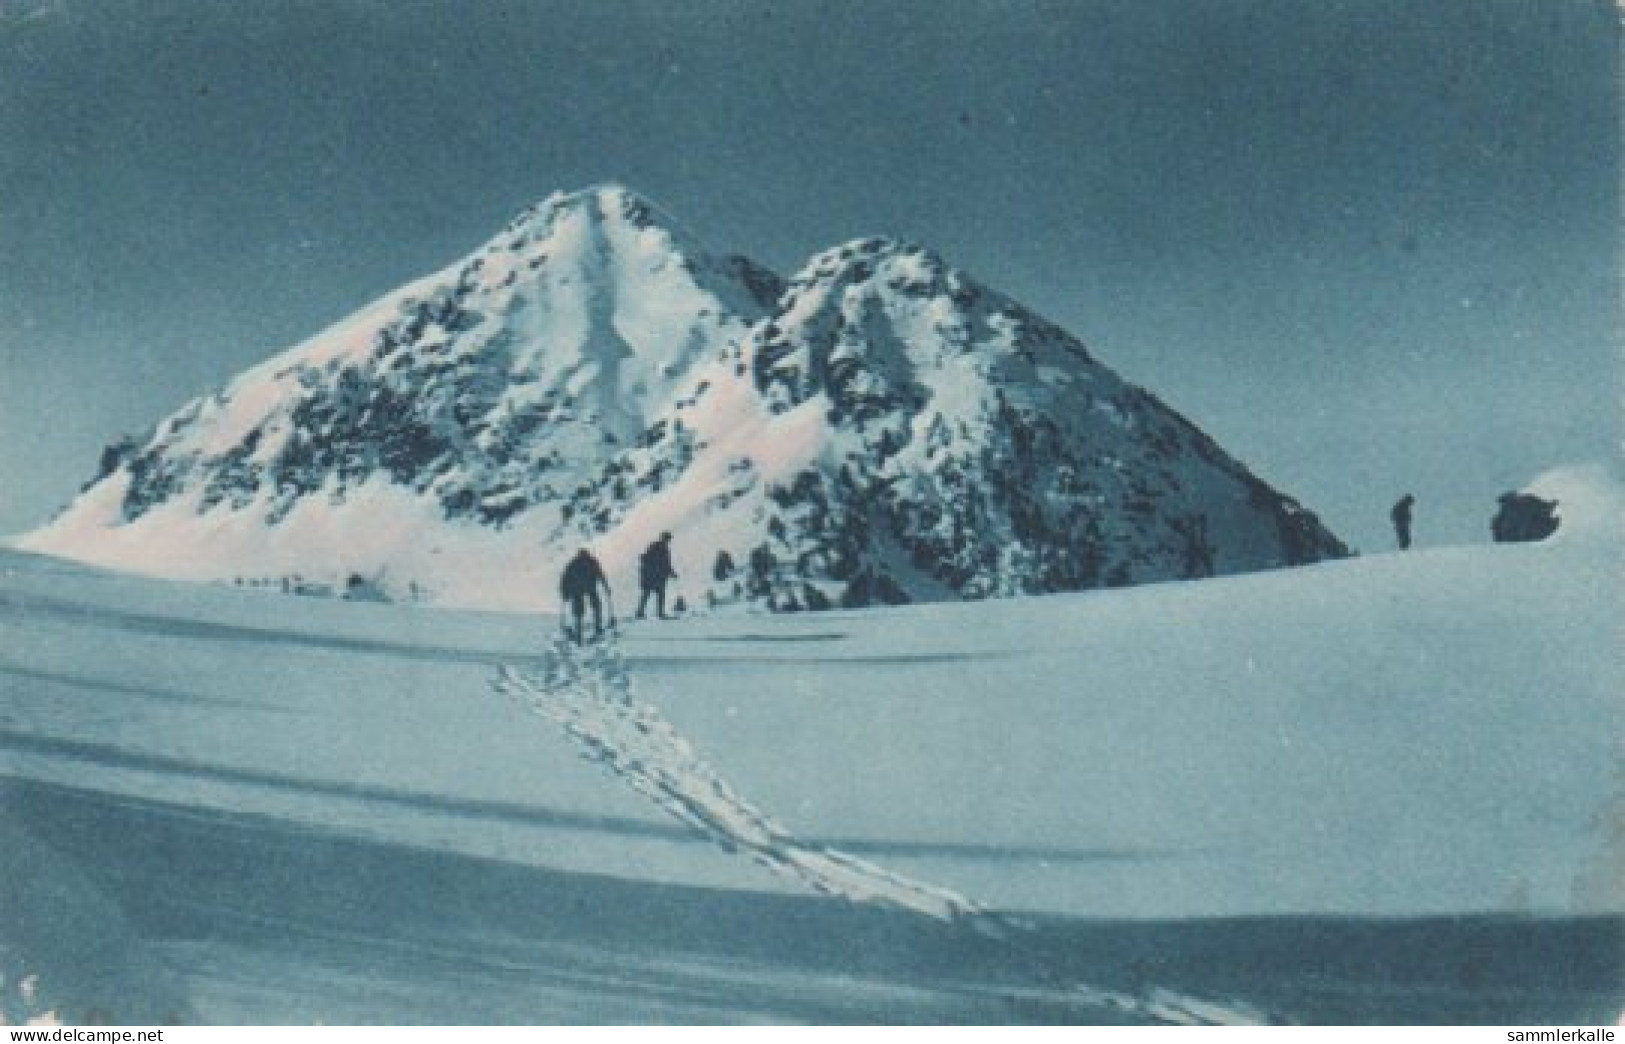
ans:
(654, 570)
(1401, 514)
(579, 586)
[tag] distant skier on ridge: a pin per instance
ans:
(654, 570)
(579, 585)
(1401, 514)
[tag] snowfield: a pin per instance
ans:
(1378, 790)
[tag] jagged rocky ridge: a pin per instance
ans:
(881, 428)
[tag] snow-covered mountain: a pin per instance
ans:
(881, 428)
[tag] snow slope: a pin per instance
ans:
(1384, 789)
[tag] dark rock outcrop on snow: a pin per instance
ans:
(1522, 518)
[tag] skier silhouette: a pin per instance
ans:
(579, 585)
(654, 569)
(1401, 514)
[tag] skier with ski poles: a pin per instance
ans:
(579, 586)
(654, 570)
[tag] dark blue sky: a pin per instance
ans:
(1370, 246)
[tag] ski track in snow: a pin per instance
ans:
(588, 693)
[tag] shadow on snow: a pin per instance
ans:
(278, 922)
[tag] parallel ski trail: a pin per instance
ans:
(588, 693)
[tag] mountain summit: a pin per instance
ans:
(880, 428)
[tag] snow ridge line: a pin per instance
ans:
(589, 694)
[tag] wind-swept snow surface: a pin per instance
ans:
(1376, 790)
